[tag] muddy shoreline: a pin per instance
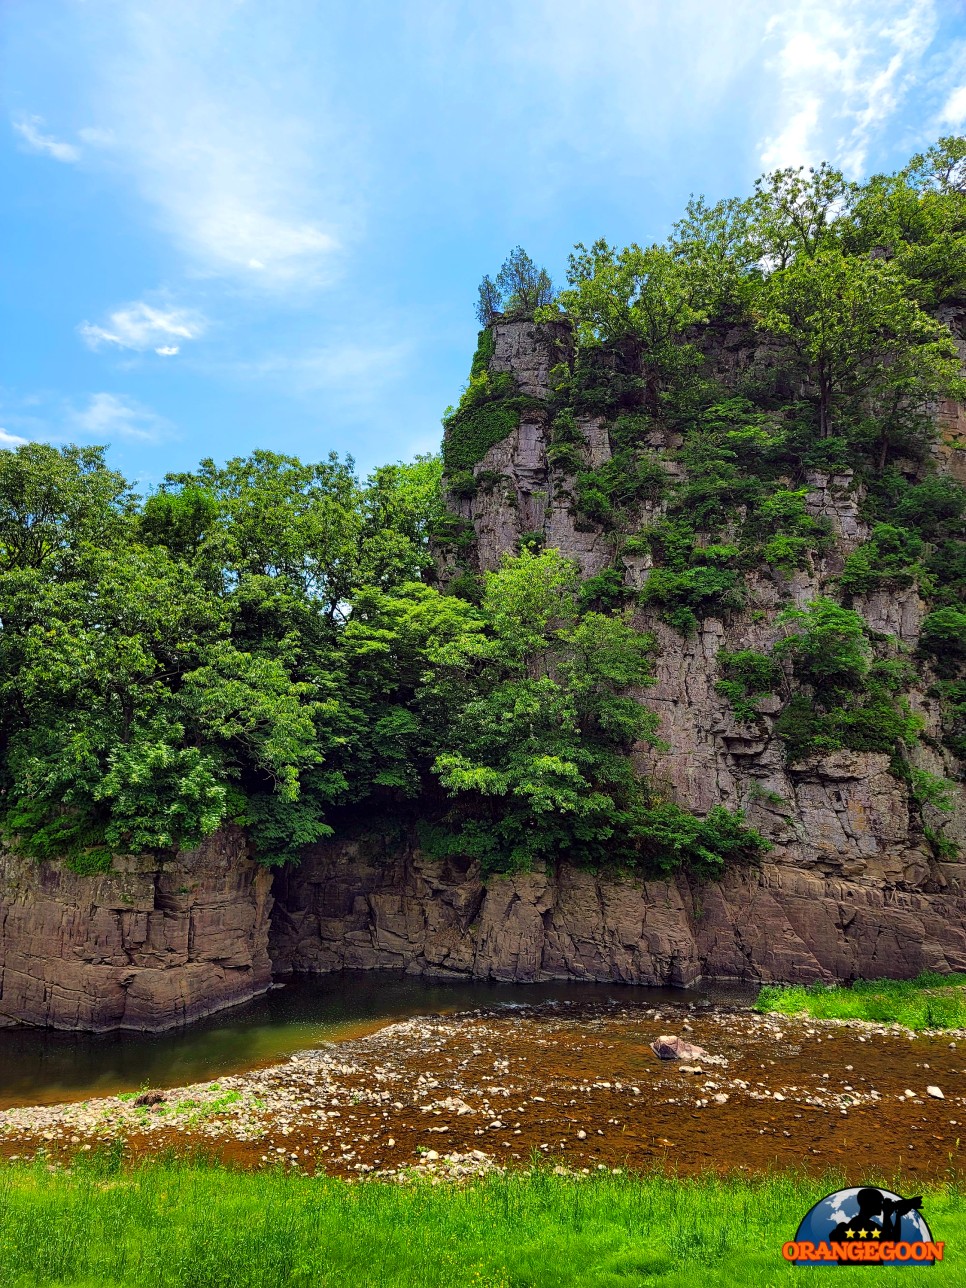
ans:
(576, 1083)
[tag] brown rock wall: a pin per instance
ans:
(370, 904)
(139, 947)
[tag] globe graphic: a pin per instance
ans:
(841, 1206)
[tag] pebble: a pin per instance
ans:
(935, 1093)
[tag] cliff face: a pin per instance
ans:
(852, 886)
(137, 947)
(838, 815)
(374, 903)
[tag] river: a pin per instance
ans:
(43, 1066)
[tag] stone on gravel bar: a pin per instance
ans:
(935, 1093)
(668, 1047)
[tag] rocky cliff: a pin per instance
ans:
(139, 947)
(854, 885)
(375, 903)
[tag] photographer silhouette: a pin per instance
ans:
(864, 1228)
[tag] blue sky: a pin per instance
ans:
(231, 224)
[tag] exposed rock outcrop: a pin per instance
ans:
(374, 903)
(852, 886)
(139, 947)
(844, 814)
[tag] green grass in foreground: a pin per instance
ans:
(927, 1002)
(165, 1223)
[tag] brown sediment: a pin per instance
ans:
(490, 1088)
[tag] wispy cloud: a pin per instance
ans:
(842, 70)
(11, 440)
(107, 416)
(28, 128)
(355, 371)
(141, 326)
(246, 180)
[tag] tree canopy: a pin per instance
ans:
(260, 643)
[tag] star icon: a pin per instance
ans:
(850, 1234)
(863, 1234)
(877, 1234)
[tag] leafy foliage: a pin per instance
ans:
(253, 643)
(519, 290)
(889, 557)
(747, 676)
(855, 700)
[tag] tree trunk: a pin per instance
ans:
(824, 405)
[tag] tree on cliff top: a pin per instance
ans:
(861, 338)
(519, 290)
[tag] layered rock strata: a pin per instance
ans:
(379, 904)
(140, 947)
(852, 886)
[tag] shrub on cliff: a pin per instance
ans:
(855, 700)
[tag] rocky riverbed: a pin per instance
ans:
(576, 1083)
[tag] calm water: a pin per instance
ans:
(43, 1066)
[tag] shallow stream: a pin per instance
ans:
(45, 1066)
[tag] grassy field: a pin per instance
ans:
(200, 1226)
(926, 1002)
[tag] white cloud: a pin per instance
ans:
(141, 326)
(11, 440)
(107, 416)
(212, 114)
(97, 138)
(842, 70)
(28, 127)
(954, 109)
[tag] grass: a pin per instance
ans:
(929, 1001)
(167, 1223)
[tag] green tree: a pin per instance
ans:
(540, 724)
(519, 290)
(401, 505)
(636, 303)
(861, 339)
(56, 502)
(715, 246)
(796, 213)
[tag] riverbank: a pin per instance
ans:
(458, 1095)
(173, 1225)
(929, 1001)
